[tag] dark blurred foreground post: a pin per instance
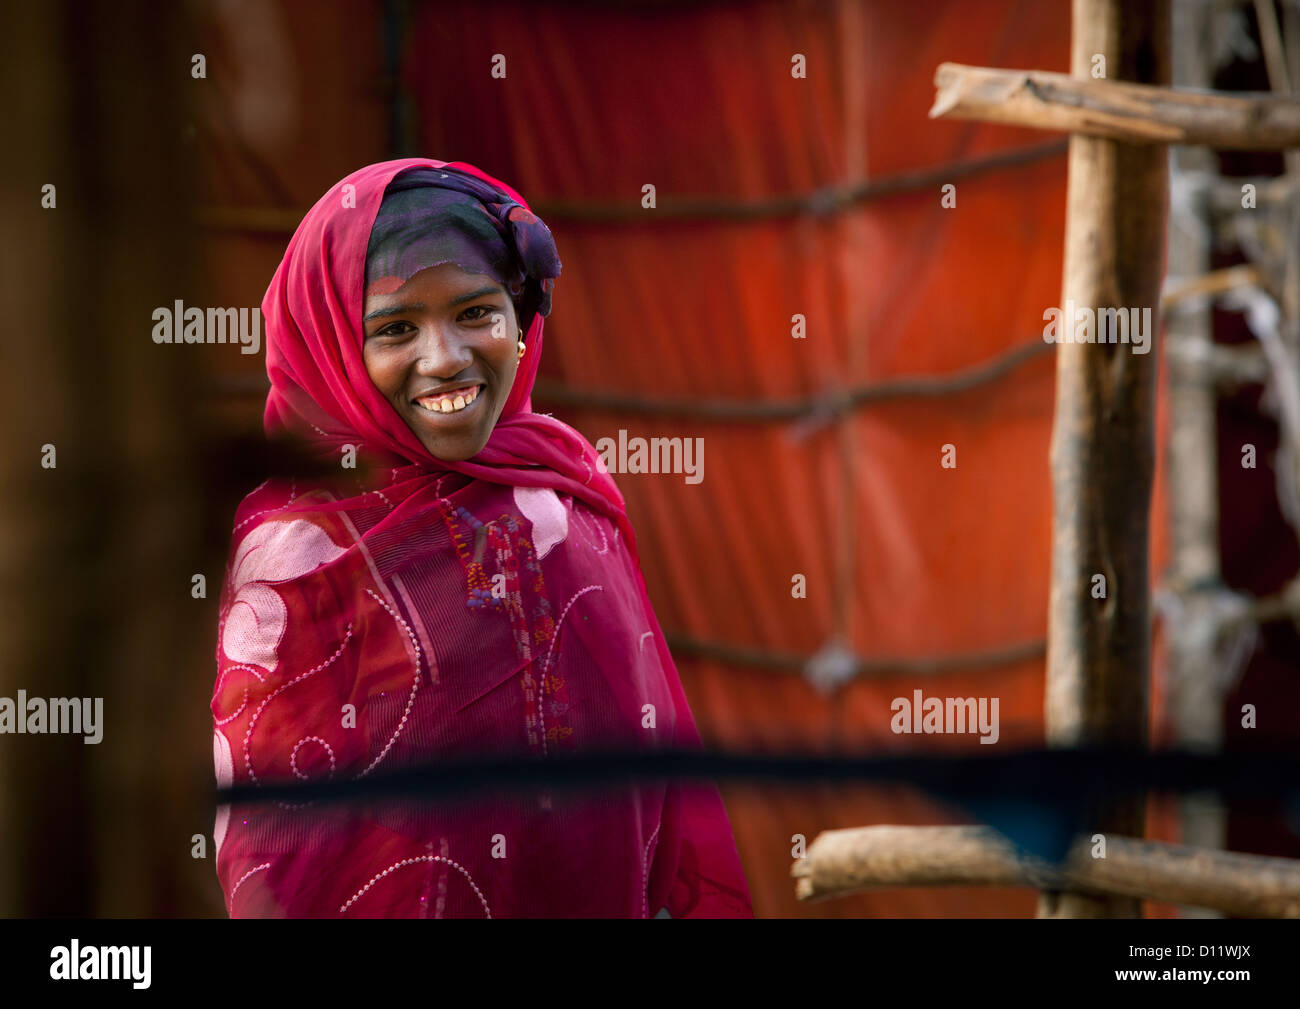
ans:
(99, 550)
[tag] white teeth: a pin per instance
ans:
(452, 403)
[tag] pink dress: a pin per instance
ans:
(429, 611)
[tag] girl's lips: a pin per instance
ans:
(450, 404)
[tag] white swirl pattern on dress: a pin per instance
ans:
(272, 552)
(541, 506)
(225, 766)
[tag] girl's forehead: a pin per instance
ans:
(442, 279)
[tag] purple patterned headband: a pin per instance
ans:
(431, 216)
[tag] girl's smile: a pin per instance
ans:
(442, 349)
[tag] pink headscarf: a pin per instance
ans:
(438, 610)
(319, 382)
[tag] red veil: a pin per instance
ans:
(440, 610)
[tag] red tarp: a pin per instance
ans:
(700, 102)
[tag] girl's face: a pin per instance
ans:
(443, 349)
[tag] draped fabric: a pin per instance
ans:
(414, 610)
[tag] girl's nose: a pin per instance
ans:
(441, 354)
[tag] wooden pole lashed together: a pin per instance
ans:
(1102, 466)
(1136, 113)
(848, 861)
(1103, 435)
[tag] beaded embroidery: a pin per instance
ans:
(525, 601)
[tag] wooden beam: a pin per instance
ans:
(1195, 684)
(1228, 365)
(1117, 110)
(1103, 433)
(840, 862)
(1211, 284)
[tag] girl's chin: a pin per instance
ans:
(454, 449)
(455, 436)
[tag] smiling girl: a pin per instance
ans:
(471, 591)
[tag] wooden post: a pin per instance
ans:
(1103, 436)
(841, 862)
(1195, 690)
(1136, 113)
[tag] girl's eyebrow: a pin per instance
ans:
(416, 306)
(460, 299)
(382, 313)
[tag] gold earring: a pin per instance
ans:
(522, 347)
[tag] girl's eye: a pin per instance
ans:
(477, 313)
(394, 329)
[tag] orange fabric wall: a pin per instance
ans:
(700, 102)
